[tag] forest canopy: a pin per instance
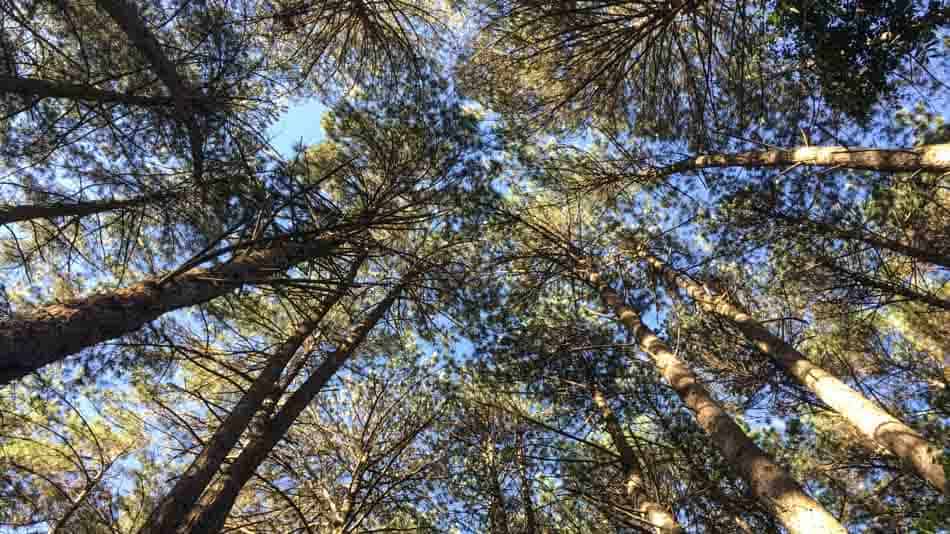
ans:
(608, 266)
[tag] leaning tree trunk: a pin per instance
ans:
(179, 501)
(653, 513)
(36, 89)
(875, 423)
(527, 492)
(27, 212)
(768, 481)
(211, 518)
(34, 339)
(932, 158)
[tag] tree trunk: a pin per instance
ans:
(653, 513)
(179, 501)
(40, 89)
(794, 508)
(497, 510)
(130, 20)
(128, 17)
(10, 214)
(933, 158)
(212, 517)
(527, 491)
(875, 423)
(34, 339)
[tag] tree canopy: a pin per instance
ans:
(553, 266)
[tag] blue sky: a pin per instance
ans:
(301, 122)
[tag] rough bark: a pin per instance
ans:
(40, 89)
(768, 481)
(212, 517)
(10, 214)
(653, 513)
(34, 339)
(194, 481)
(932, 158)
(875, 423)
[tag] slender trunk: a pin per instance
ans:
(653, 513)
(794, 508)
(497, 508)
(933, 158)
(179, 501)
(40, 89)
(34, 339)
(130, 20)
(875, 423)
(80, 500)
(10, 214)
(211, 518)
(527, 492)
(928, 255)
(128, 17)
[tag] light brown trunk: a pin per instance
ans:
(866, 416)
(212, 517)
(37, 338)
(933, 158)
(768, 481)
(179, 501)
(652, 512)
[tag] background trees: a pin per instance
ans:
(403, 327)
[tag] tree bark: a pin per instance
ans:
(932, 158)
(875, 423)
(173, 509)
(40, 89)
(768, 481)
(10, 214)
(34, 339)
(656, 515)
(212, 517)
